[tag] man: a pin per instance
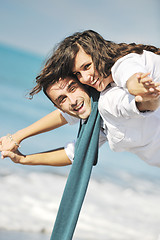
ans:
(72, 99)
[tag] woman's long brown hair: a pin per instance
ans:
(104, 54)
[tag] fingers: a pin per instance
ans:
(144, 77)
(148, 83)
(14, 157)
(146, 89)
(138, 98)
(1, 139)
(5, 154)
(6, 143)
(154, 88)
(147, 97)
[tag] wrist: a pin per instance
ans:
(147, 105)
(18, 136)
(13, 140)
(24, 160)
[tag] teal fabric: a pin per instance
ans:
(86, 154)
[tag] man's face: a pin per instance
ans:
(71, 97)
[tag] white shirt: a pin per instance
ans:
(132, 63)
(126, 128)
(70, 147)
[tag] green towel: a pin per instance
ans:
(86, 154)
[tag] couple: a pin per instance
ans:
(120, 72)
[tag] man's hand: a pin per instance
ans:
(16, 156)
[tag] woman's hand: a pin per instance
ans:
(143, 87)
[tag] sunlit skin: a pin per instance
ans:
(71, 97)
(87, 74)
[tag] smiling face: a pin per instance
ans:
(70, 96)
(87, 74)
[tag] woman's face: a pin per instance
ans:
(87, 74)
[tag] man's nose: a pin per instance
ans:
(72, 99)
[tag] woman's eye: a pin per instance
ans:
(87, 66)
(77, 74)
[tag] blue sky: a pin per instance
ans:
(36, 25)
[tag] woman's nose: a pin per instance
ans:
(84, 77)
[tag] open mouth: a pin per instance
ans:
(79, 107)
(94, 81)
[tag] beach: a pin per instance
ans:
(124, 208)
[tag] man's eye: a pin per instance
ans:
(73, 87)
(62, 100)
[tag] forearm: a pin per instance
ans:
(52, 158)
(56, 157)
(47, 123)
(148, 105)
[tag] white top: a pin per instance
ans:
(127, 129)
(132, 63)
(70, 147)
